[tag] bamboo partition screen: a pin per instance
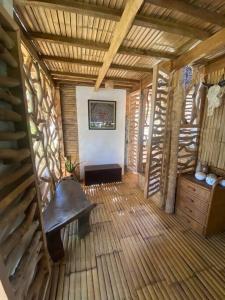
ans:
(190, 128)
(69, 121)
(144, 122)
(24, 263)
(185, 124)
(133, 130)
(212, 142)
(43, 126)
(157, 163)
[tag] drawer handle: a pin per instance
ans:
(190, 199)
(187, 208)
(192, 188)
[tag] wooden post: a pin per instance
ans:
(140, 131)
(58, 109)
(176, 116)
(153, 99)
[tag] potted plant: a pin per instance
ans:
(71, 167)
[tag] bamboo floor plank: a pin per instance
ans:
(135, 251)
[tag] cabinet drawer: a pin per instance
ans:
(190, 209)
(194, 189)
(189, 222)
(192, 202)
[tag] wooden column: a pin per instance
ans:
(176, 116)
(141, 130)
(58, 109)
(151, 125)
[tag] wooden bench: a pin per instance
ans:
(69, 204)
(96, 174)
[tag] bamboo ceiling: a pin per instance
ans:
(74, 36)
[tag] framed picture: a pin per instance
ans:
(102, 115)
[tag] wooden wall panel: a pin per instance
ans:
(212, 142)
(69, 121)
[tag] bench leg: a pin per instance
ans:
(84, 225)
(55, 245)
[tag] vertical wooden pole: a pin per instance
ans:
(176, 116)
(149, 146)
(140, 130)
(58, 109)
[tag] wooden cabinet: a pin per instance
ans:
(200, 206)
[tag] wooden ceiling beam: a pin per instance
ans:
(92, 77)
(70, 82)
(215, 65)
(52, 38)
(120, 32)
(94, 63)
(81, 81)
(207, 47)
(191, 10)
(168, 25)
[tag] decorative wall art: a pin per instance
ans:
(102, 115)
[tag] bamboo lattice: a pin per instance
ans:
(43, 126)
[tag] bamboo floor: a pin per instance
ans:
(136, 251)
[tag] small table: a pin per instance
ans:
(97, 174)
(69, 204)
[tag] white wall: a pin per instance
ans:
(100, 146)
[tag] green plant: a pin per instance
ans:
(70, 166)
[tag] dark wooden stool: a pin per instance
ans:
(69, 204)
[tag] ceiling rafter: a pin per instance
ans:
(171, 26)
(121, 30)
(93, 77)
(207, 47)
(94, 63)
(100, 46)
(191, 9)
(92, 83)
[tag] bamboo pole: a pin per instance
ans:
(16, 210)
(9, 82)
(7, 200)
(7, 57)
(15, 155)
(21, 278)
(36, 284)
(9, 177)
(6, 39)
(8, 97)
(9, 115)
(15, 237)
(176, 116)
(17, 253)
(12, 136)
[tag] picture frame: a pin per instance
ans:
(101, 115)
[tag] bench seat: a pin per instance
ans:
(69, 204)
